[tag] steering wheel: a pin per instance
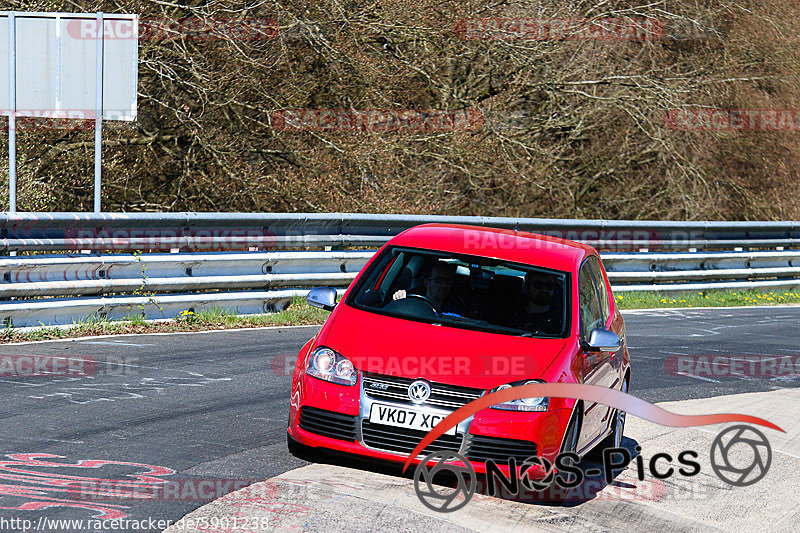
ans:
(467, 308)
(428, 301)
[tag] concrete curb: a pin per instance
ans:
(323, 497)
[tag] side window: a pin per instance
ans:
(600, 281)
(591, 312)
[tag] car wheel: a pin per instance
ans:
(573, 431)
(619, 421)
(614, 440)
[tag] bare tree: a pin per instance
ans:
(570, 127)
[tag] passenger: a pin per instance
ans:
(540, 309)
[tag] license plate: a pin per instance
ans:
(406, 418)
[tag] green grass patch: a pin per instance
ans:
(299, 313)
(722, 298)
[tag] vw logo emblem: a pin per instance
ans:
(419, 391)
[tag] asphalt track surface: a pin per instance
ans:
(213, 406)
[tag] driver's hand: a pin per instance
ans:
(399, 295)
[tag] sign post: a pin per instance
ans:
(12, 115)
(98, 109)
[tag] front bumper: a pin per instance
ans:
(489, 434)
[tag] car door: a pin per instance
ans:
(610, 361)
(597, 365)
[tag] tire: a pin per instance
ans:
(614, 440)
(573, 431)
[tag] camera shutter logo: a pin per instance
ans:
(543, 467)
(419, 391)
(446, 499)
(733, 474)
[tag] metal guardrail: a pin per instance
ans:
(71, 310)
(55, 275)
(259, 282)
(241, 231)
(67, 287)
(278, 276)
(682, 272)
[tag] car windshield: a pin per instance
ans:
(465, 291)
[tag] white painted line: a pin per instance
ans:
(76, 339)
(686, 374)
(117, 343)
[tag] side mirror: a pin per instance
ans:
(602, 340)
(322, 297)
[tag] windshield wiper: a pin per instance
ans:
(536, 333)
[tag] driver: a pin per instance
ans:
(439, 290)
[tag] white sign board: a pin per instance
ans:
(67, 65)
(56, 65)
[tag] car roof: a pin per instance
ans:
(505, 244)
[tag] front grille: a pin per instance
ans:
(395, 389)
(403, 441)
(328, 423)
(481, 448)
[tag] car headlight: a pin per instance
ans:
(524, 404)
(329, 365)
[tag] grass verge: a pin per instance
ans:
(299, 313)
(727, 298)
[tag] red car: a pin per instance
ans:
(443, 314)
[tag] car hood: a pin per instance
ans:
(405, 348)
